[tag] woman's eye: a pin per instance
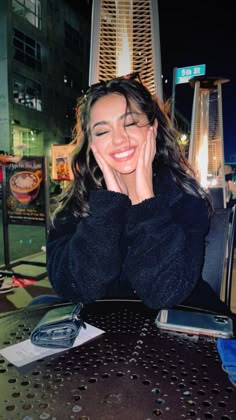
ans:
(129, 124)
(100, 133)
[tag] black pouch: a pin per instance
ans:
(59, 327)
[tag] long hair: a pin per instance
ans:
(87, 174)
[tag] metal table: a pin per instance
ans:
(132, 372)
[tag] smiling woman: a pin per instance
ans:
(133, 222)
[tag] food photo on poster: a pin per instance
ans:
(25, 191)
(25, 185)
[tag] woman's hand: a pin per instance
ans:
(112, 178)
(144, 175)
(7, 159)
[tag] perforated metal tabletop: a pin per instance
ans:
(132, 372)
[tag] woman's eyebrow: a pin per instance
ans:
(99, 123)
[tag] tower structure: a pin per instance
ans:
(125, 39)
(206, 151)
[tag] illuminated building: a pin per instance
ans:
(125, 39)
(44, 65)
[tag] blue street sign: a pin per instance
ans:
(184, 74)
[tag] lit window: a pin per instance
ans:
(27, 92)
(27, 141)
(29, 10)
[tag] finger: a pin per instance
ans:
(108, 173)
(98, 158)
(149, 148)
(141, 158)
(152, 144)
(120, 183)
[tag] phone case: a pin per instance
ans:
(195, 323)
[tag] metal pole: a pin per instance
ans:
(194, 119)
(220, 120)
(157, 50)
(173, 96)
(5, 219)
(94, 50)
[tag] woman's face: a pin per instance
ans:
(117, 132)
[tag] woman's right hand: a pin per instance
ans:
(112, 178)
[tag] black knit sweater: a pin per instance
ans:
(153, 251)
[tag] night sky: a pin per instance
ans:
(195, 33)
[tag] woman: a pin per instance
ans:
(133, 222)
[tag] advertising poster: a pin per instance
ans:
(61, 162)
(25, 191)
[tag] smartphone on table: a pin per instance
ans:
(198, 323)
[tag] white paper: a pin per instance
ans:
(23, 353)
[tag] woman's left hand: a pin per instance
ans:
(144, 175)
(112, 178)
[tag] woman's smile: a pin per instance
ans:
(123, 155)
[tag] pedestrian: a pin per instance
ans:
(230, 187)
(133, 222)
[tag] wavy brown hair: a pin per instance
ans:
(87, 174)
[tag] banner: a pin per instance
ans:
(61, 162)
(25, 191)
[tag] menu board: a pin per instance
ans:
(25, 191)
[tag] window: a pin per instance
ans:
(27, 92)
(73, 39)
(27, 141)
(73, 77)
(29, 10)
(26, 50)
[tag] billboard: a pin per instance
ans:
(25, 191)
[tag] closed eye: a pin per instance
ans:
(130, 123)
(101, 133)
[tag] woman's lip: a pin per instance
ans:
(123, 154)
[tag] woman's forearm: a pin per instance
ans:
(82, 263)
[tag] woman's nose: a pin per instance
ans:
(120, 136)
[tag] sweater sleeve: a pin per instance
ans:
(83, 257)
(166, 248)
